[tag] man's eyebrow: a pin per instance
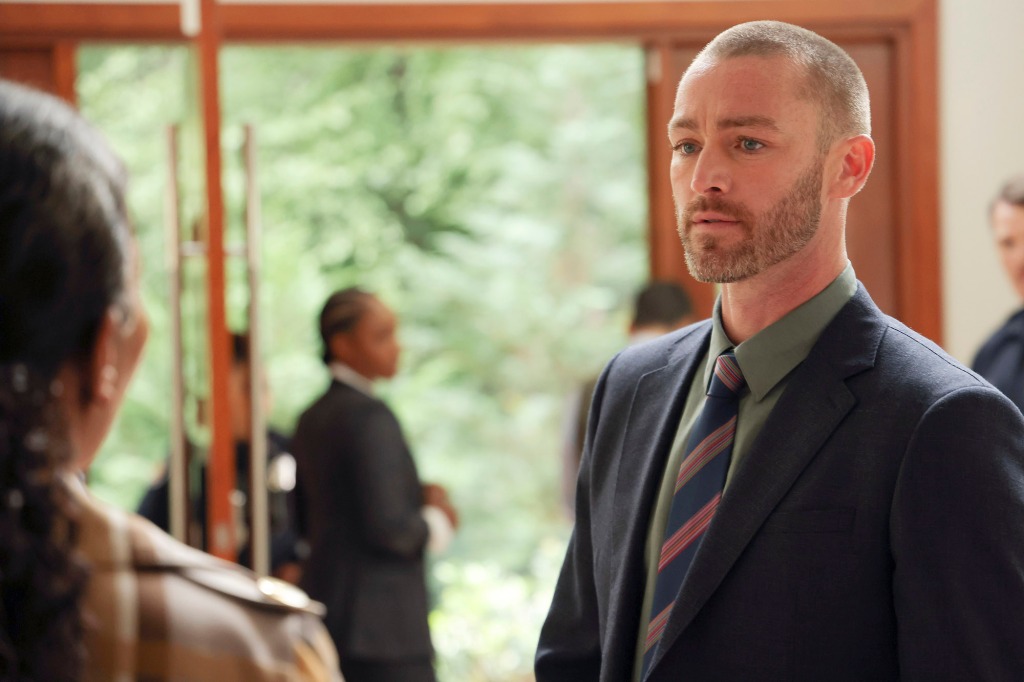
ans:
(680, 123)
(726, 123)
(749, 122)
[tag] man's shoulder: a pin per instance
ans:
(862, 337)
(656, 353)
(915, 362)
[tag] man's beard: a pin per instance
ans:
(770, 238)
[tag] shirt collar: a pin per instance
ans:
(768, 356)
(348, 376)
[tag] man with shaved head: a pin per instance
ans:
(801, 487)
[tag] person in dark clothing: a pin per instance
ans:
(363, 510)
(285, 548)
(1001, 358)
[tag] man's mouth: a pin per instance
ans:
(712, 219)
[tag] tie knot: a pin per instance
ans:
(728, 379)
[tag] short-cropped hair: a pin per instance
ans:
(833, 79)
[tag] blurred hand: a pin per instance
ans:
(436, 496)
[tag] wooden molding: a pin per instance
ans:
(531, 21)
(920, 253)
(221, 472)
(93, 21)
(540, 21)
(65, 68)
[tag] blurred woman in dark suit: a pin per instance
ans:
(365, 514)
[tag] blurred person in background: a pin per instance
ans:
(1001, 358)
(284, 545)
(659, 308)
(88, 591)
(366, 516)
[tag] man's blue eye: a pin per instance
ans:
(751, 145)
(687, 147)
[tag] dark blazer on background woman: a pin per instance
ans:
(358, 500)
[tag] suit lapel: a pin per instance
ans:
(815, 401)
(654, 415)
(650, 428)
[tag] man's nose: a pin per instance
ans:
(710, 174)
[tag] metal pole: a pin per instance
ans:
(260, 534)
(177, 466)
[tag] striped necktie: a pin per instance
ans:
(697, 493)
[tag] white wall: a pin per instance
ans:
(981, 110)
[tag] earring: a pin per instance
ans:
(108, 381)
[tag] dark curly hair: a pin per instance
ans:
(63, 243)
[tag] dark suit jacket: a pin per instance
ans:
(358, 500)
(1001, 359)
(874, 531)
(156, 503)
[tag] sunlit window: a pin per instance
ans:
(495, 197)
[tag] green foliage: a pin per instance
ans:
(132, 95)
(495, 197)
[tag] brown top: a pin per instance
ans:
(156, 609)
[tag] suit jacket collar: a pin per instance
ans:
(814, 403)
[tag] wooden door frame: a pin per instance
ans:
(63, 67)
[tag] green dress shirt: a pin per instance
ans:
(766, 360)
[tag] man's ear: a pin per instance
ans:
(857, 156)
(102, 379)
